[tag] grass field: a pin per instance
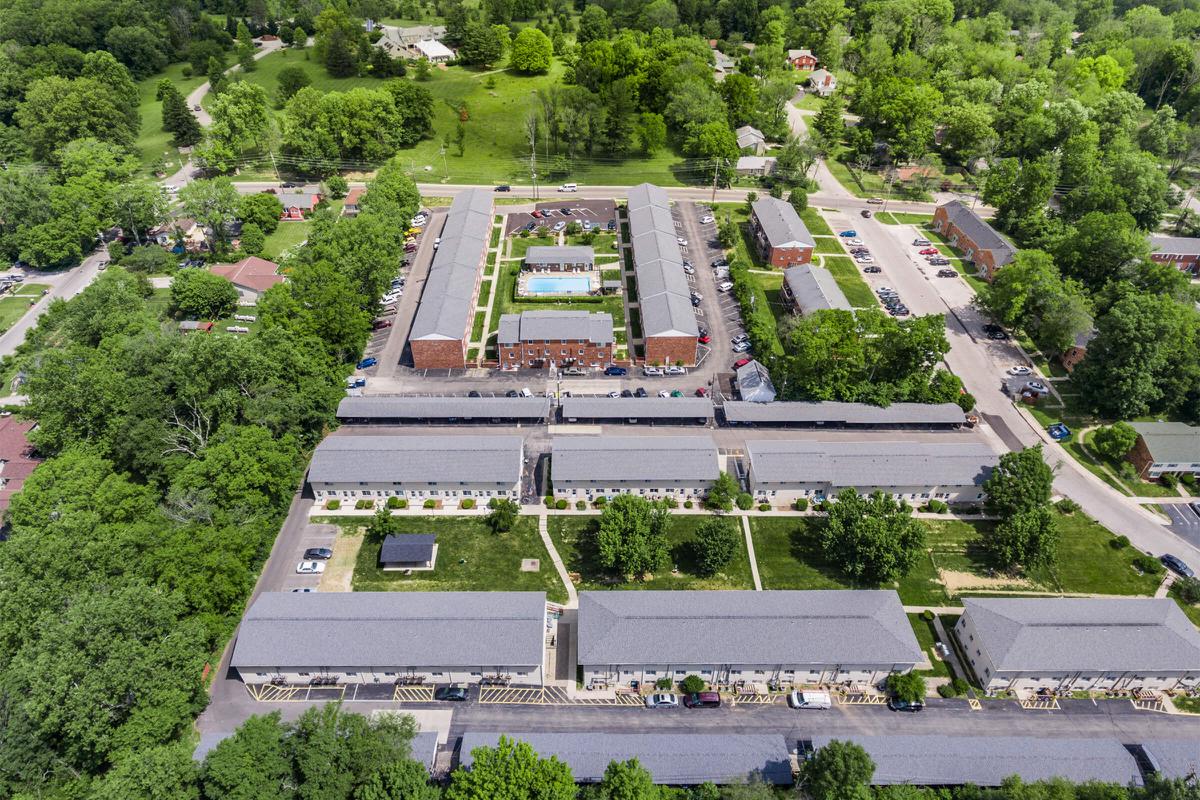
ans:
(573, 537)
(926, 636)
(153, 142)
(520, 244)
(815, 223)
(470, 558)
(851, 282)
(828, 246)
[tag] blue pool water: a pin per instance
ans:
(558, 285)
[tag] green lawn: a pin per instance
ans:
(828, 246)
(505, 303)
(573, 537)
(815, 223)
(1092, 459)
(520, 244)
(926, 636)
(288, 235)
(602, 244)
(153, 143)
(477, 326)
(470, 558)
(12, 309)
(846, 273)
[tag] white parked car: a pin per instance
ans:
(652, 372)
(1020, 371)
(664, 700)
(855, 242)
(614, 394)
(664, 393)
(676, 371)
(741, 347)
(689, 269)
(569, 187)
(682, 241)
(798, 699)
(1037, 386)
(310, 567)
(418, 221)
(558, 226)
(725, 286)
(706, 220)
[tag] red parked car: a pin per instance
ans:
(704, 339)
(380, 324)
(536, 214)
(741, 362)
(929, 251)
(702, 392)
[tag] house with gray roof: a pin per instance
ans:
(442, 326)
(754, 383)
(945, 760)
(830, 414)
(755, 166)
(379, 409)
(1182, 251)
(650, 410)
(535, 339)
(795, 638)
(780, 236)
(1163, 447)
(809, 289)
(783, 471)
(587, 467)
(297, 638)
(751, 139)
(664, 295)
(408, 551)
(445, 468)
(1074, 644)
(558, 259)
(979, 242)
(672, 759)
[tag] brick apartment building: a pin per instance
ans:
(1182, 251)
(668, 321)
(781, 237)
(979, 241)
(1163, 447)
(535, 339)
(442, 326)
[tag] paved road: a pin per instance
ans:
(63, 285)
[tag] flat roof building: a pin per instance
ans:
(780, 236)
(682, 467)
(447, 468)
(381, 409)
(664, 295)
(831, 414)
(637, 409)
(1070, 644)
(569, 257)
(800, 638)
(810, 289)
(786, 470)
(392, 637)
(533, 339)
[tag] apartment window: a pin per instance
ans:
(351, 674)
(302, 674)
(261, 674)
(389, 674)
(438, 674)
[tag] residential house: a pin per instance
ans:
(1079, 644)
(979, 241)
(587, 467)
(392, 637)
(809, 289)
(792, 638)
(408, 551)
(416, 468)
(1182, 251)
(783, 471)
(751, 139)
(755, 166)
(442, 325)
(754, 383)
(723, 65)
(435, 51)
(823, 82)
(560, 259)
(400, 42)
(353, 200)
(17, 459)
(534, 339)
(664, 294)
(1163, 447)
(252, 276)
(185, 230)
(1071, 357)
(802, 59)
(298, 204)
(194, 326)
(780, 236)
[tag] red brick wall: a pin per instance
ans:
(1185, 263)
(783, 257)
(1140, 456)
(439, 354)
(1071, 358)
(671, 349)
(530, 355)
(982, 258)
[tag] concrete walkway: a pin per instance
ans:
(544, 532)
(750, 551)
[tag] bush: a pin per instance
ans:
(960, 686)
(363, 504)
(1187, 590)
(801, 504)
(393, 502)
(333, 505)
(936, 507)
(580, 505)
(764, 506)
(1169, 480)
(692, 684)
(688, 504)
(1119, 542)
(1148, 564)
(467, 503)
(560, 504)
(187, 70)
(670, 502)
(495, 501)
(401, 502)
(744, 501)
(1066, 506)
(430, 503)
(927, 615)
(663, 683)
(947, 690)
(601, 501)
(823, 505)
(1188, 479)
(548, 501)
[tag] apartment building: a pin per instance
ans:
(587, 467)
(780, 236)
(536, 339)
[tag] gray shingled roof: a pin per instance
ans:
(942, 760)
(834, 413)
(383, 407)
(663, 290)
(385, 629)
(1170, 442)
(749, 136)
(605, 459)
(814, 289)
(647, 194)
(423, 748)
(984, 235)
(864, 627)
(1174, 758)
(407, 547)
(754, 383)
(637, 407)
(1175, 245)
(448, 300)
(554, 326)
(568, 254)
(420, 459)
(781, 224)
(867, 464)
(671, 758)
(1143, 634)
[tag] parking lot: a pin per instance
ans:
(313, 535)
(718, 313)
(598, 212)
(1185, 520)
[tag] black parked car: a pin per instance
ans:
(512, 393)
(641, 392)
(454, 694)
(504, 187)
(314, 553)
(1176, 565)
(896, 704)
(626, 393)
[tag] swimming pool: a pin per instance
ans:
(565, 284)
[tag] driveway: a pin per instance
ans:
(718, 312)
(391, 347)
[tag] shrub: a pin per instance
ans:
(1148, 564)
(801, 504)
(393, 502)
(187, 70)
(548, 501)
(927, 615)
(363, 504)
(1168, 479)
(431, 503)
(1066, 506)
(764, 506)
(495, 501)
(744, 501)
(936, 507)
(662, 683)
(1119, 542)
(467, 503)
(692, 684)
(580, 505)
(333, 505)
(560, 504)
(401, 502)
(1187, 590)
(823, 505)
(670, 502)
(947, 690)
(601, 501)
(960, 686)
(1188, 479)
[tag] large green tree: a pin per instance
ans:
(511, 770)
(631, 535)
(717, 542)
(873, 539)
(841, 770)
(241, 120)
(532, 52)
(199, 294)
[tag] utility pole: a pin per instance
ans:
(274, 166)
(716, 170)
(445, 166)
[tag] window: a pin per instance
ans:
(438, 674)
(389, 674)
(302, 674)
(261, 674)
(351, 674)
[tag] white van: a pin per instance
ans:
(569, 187)
(799, 699)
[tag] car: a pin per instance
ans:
(703, 331)
(875, 201)
(536, 214)
(702, 392)
(799, 699)
(641, 392)
(863, 259)
(627, 393)
(929, 251)
(565, 211)
(504, 187)
(452, 693)
(612, 225)
(367, 363)
(707, 219)
(695, 302)
(866, 213)
(437, 243)
(741, 337)
(664, 393)
(885, 290)
(911, 706)
(615, 370)
(666, 700)
(998, 336)
(856, 241)
(1176, 565)
(310, 567)
(741, 362)
(574, 371)
(304, 590)
(676, 393)
(720, 262)
(947, 273)
(720, 274)
(614, 394)
(702, 700)
(848, 234)
(196, 107)
(1059, 432)
(512, 393)
(1036, 386)
(704, 338)
(676, 371)
(1020, 370)
(873, 270)
(587, 224)
(725, 286)
(568, 187)
(696, 296)
(558, 226)
(689, 269)
(682, 242)
(938, 261)
(318, 554)
(355, 383)
(474, 393)
(859, 251)
(919, 242)
(289, 185)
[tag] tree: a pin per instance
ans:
(740, 93)
(828, 125)
(1114, 234)
(909, 686)
(503, 515)
(178, 119)
(252, 240)
(840, 770)
(627, 780)
(969, 132)
(291, 79)
(139, 206)
(594, 25)
(717, 542)
(213, 204)
(56, 111)
(262, 209)
(1114, 441)
(1021, 482)
(240, 120)
(650, 131)
(337, 36)
(631, 538)
(163, 772)
(511, 771)
(532, 52)
(336, 186)
(482, 45)
(873, 539)
(421, 69)
(714, 143)
(199, 294)
(140, 50)
(721, 493)
(398, 780)
(1026, 539)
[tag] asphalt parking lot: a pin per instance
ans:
(599, 212)
(313, 535)
(718, 312)
(1185, 521)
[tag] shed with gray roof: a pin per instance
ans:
(810, 289)
(381, 409)
(408, 551)
(392, 637)
(786, 470)
(573, 257)
(832, 414)
(672, 759)
(793, 637)
(1069, 644)
(637, 409)
(754, 383)
(586, 467)
(664, 302)
(349, 467)
(943, 760)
